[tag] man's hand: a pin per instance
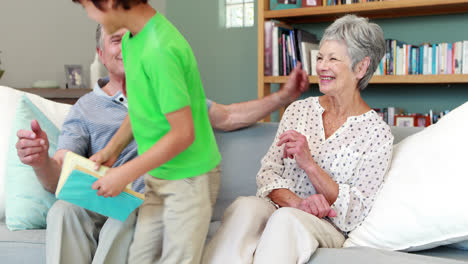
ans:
(32, 146)
(112, 184)
(297, 83)
(104, 157)
(317, 205)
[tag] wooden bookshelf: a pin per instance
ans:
(68, 96)
(384, 9)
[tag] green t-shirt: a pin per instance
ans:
(162, 77)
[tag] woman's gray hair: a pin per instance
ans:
(99, 37)
(362, 38)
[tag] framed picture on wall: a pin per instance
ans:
(74, 76)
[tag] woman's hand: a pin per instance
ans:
(296, 147)
(317, 205)
(112, 184)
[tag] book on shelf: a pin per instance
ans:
(268, 53)
(443, 58)
(292, 49)
(458, 55)
(313, 61)
(274, 53)
(74, 186)
(465, 57)
(449, 58)
(307, 42)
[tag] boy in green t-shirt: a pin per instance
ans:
(169, 119)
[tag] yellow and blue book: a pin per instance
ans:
(74, 186)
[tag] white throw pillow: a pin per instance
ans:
(423, 201)
(9, 99)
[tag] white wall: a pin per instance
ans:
(37, 38)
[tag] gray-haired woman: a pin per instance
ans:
(320, 176)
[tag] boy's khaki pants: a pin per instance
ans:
(173, 220)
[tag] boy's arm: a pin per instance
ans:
(109, 154)
(179, 138)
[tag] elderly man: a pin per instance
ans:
(74, 234)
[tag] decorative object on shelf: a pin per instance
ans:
(285, 4)
(45, 84)
(74, 76)
(1, 71)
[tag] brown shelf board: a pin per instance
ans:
(388, 79)
(385, 9)
(57, 92)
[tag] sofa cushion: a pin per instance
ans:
(241, 153)
(27, 203)
(421, 203)
(365, 255)
(8, 101)
(463, 245)
(26, 246)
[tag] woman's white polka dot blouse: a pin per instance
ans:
(356, 157)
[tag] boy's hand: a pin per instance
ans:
(112, 184)
(104, 157)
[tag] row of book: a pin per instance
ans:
(395, 116)
(286, 46)
(406, 59)
(286, 4)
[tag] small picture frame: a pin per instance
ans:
(284, 4)
(74, 76)
(404, 121)
(423, 120)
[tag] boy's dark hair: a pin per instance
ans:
(126, 4)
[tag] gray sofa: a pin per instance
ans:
(242, 151)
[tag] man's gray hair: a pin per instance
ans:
(363, 39)
(99, 37)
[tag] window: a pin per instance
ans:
(239, 13)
